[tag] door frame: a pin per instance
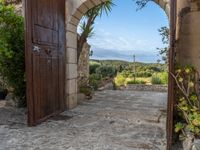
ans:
(29, 66)
(171, 84)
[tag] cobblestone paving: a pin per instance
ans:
(113, 120)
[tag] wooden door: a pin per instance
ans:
(45, 58)
(171, 93)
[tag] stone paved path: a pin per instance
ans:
(113, 120)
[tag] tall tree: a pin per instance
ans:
(87, 25)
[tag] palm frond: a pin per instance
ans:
(100, 9)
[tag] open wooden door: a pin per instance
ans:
(45, 58)
(171, 86)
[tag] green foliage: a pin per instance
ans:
(156, 80)
(164, 32)
(160, 78)
(94, 66)
(144, 74)
(179, 127)
(94, 81)
(125, 71)
(120, 80)
(188, 99)
(87, 23)
(106, 71)
(12, 66)
(164, 77)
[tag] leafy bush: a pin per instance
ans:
(94, 81)
(12, 66)
(127, 73)
(144, 74)
(164, 77)
(94, 66)
(119, 80)
(156, 80)
(160, 78)
(106, 71)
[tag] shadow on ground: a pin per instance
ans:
(112, 120)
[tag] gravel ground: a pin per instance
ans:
(112, 120)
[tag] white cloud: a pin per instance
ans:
(105, 40)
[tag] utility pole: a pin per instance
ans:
(134, 64)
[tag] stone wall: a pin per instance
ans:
(141, 87)
(83, 66)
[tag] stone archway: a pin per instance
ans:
(75, 10)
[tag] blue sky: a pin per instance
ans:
(126, 32)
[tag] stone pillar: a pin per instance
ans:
(188, 33)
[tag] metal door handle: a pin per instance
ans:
(36, 48)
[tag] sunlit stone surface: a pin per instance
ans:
(113, 120)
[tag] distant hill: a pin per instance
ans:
(125, 65)
(122, 62)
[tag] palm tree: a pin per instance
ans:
(87, 26)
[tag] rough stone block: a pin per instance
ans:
(71, 71)
(71, 101)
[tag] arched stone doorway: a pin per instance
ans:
(75, 11)
(186, 35)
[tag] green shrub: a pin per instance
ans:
(164, 77)
(135, 82)
(119, 80)
(94, 81)
(144, 74)
(106, 71)
(160, 78)
(94, 66)
(12, 66)
(156, 80)
(127, 73)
